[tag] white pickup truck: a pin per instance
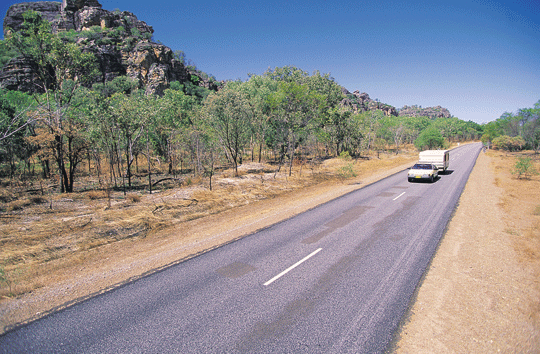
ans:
(439, 158)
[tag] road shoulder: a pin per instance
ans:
(475, 295)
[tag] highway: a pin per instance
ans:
(336, 279)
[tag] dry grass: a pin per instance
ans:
(96, 194)
(40, 235)
(520, 202)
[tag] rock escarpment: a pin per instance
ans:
(361, 102)
(431, 112)
(120, 42)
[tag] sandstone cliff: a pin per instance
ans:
(120, 42)
(431, 112)
(361, 102)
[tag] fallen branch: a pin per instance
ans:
(166, 179)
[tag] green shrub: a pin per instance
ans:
(524, 167)
(507, 143)
(347, 171)
(135, 32)
(345, 155)
(105, 41)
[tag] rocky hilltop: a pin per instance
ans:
(431, 112)
(361, 102)
(120, 42)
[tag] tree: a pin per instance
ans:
(337, 128)
(429, 138)
(294, 108)
(530, 118)
(175, 118)
(61, 68)
(132, 114)
(394, 129)
(491, 131)
(207, 151)
(15, 124)
(230, 116)
(287, 74)
(257, 89)
(103, 124)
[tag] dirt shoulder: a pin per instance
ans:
(482, 293)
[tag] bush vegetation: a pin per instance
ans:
(282, 115)
(524, 167)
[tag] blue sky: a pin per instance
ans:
(477, 58)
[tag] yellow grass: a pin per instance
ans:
(521, 202)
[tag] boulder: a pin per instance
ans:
(13, 20)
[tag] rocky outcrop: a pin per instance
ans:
(14, 19)
(431, 112)
(361, 102)
(120, 42)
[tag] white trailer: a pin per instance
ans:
(440, 158)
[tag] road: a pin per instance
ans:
(336, 279)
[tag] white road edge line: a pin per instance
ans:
(399, 196)
(292, 267)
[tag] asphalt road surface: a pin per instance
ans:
(336, 279)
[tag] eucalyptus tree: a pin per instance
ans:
(287, 74)
(230, 116)
(172, 124)
(207, 146)
(332, 119)
(104, 128)
(131, 115)
(491, 130)
(430, 138)
(16, 113)
(294, 109)
(356, 139)
(60, 68)
(394, 129)
(76, 132)
(531, 126)
(325, 85)
(16, 122)
(257, 89)
(336, 129)
(511, 124)
(369, 124)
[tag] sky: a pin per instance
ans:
(478, 58)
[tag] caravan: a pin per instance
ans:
(440, 158)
